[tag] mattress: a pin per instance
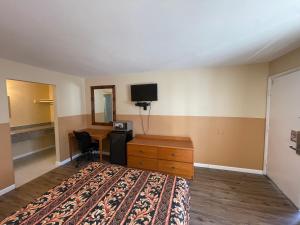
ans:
(109, 194)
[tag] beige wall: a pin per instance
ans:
(70, 102)
(286, 62)
(23, 106)
(69, 89)
(67, 124)
(221, 109)
(231, 92)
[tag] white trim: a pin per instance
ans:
(7, 189)
(268, 108)
(33, 152)
(236, 169)
(67, 160)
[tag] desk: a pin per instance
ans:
(97, 134)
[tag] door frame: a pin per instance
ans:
(268, 110)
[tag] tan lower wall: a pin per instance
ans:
(65, 125)
(226, 141)
(6, 171)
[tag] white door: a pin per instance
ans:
(283, 165)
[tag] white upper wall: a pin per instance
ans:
(228, 92)
(70, 92)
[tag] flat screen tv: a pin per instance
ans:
(144, 92)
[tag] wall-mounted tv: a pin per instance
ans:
(144, 92)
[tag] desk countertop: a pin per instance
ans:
(95, 132)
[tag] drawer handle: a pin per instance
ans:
(173, 154)
(141, 163)
(141, 151)
(172, 167)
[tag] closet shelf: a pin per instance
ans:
(48, 101)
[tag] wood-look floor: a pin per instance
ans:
(217, 197)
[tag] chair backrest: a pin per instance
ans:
(84, 140)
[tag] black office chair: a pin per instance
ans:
(87, 147)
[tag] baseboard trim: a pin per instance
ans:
(33, 152)
(61, 163)
(7, 189)
(235, 169)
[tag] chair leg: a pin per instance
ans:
(92, 156)
(80, 159)
(95, 156)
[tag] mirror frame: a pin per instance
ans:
(93, 88)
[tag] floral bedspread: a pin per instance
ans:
(109, 194)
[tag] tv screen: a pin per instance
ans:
(144, 92)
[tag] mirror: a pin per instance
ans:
(103, 105)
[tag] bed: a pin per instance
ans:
(109, 194)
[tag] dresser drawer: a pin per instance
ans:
(176, 168)
(142, 163)
(173, 154)
(142, 151)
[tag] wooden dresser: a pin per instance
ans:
(173, 155)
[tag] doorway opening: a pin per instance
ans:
(32, 123)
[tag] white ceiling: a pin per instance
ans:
(98, 37)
